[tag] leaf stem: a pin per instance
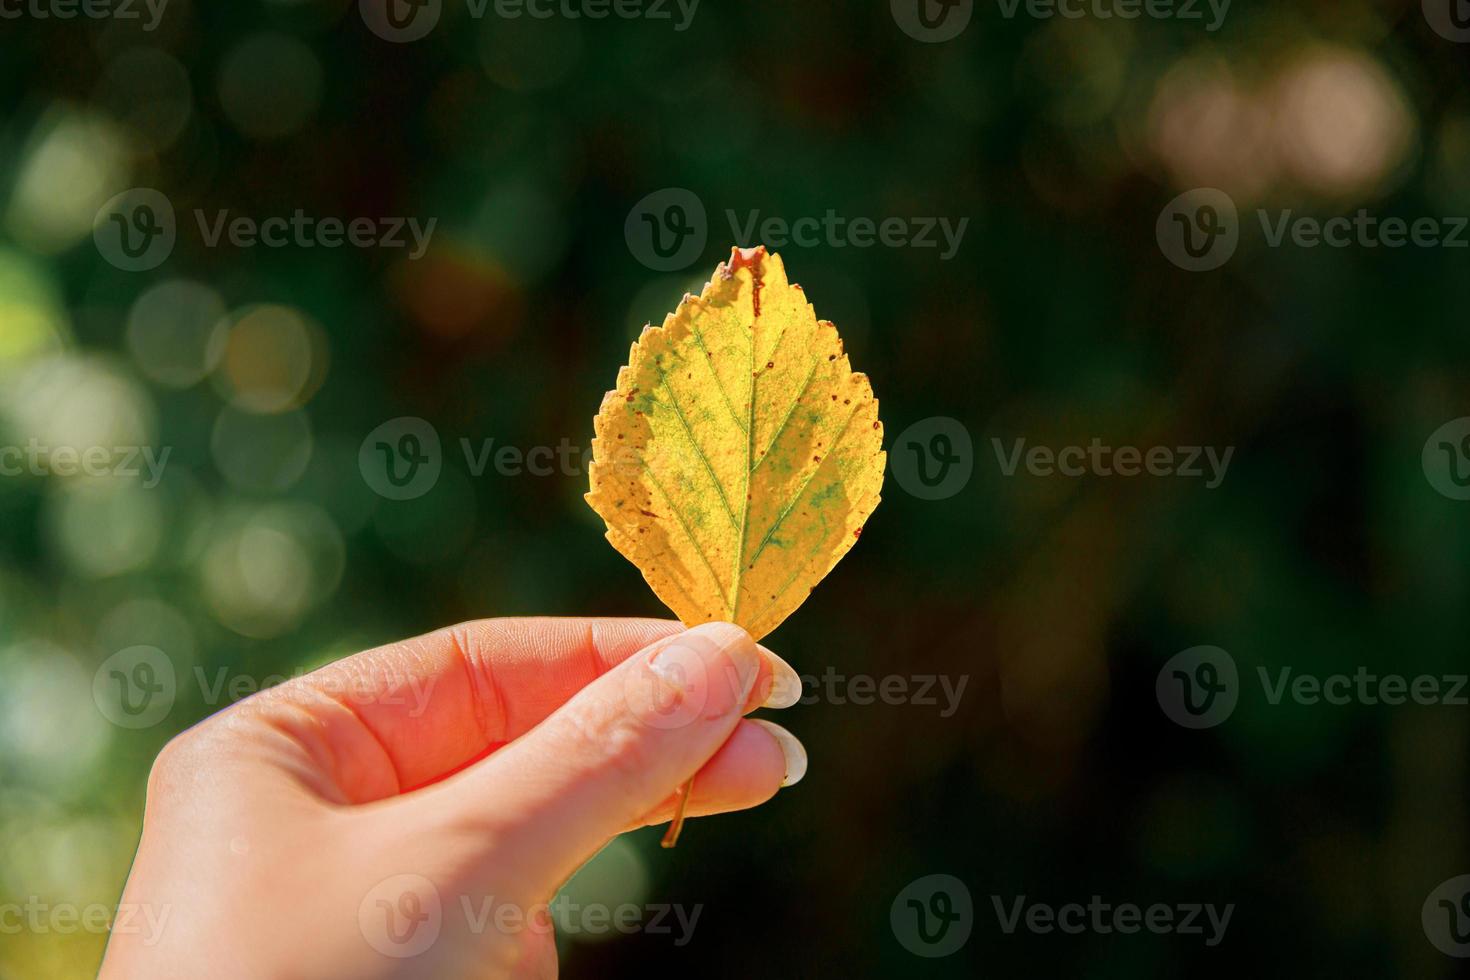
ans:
(671, 837)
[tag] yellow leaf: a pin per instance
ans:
(739, 456)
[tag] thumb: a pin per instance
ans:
(613, 752)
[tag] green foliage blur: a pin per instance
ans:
(262, 550)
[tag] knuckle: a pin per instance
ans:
(612, 740)
(174, 762)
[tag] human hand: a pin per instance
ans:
(283, 835)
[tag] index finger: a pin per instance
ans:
(438, 702)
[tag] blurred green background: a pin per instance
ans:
(263, 549)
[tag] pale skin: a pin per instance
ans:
(475, 767)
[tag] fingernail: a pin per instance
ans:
(791, 751)
(785, 684)
(673, 662)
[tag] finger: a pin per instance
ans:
(758, 759)
(405, 715)
(610, 755)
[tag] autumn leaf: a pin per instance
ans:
(739, 456)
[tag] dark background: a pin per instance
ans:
(1327, 547)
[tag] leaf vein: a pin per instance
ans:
(801, 491)
(698, 449)
(710, 363)
(816, 363)
(688, 533)
(795, 572)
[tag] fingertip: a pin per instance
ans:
(785, 689)
(747, 771)
(793, 753)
